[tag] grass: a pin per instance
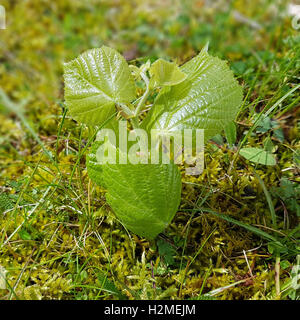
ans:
(236, 235)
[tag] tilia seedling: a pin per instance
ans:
(100, 89)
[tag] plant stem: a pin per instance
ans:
(144, 97)
(127, 110)
(277, 276)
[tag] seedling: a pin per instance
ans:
(100, 88)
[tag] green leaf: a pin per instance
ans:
(6, 202)
(94, 169)
(258, 155)
(296, 157)
(208, 99)
(284, 264)
(279, 134)
(289, 192)
(165, 73)
(166, 251)
(268, 145)
(145, 197)
(96, 81)
(109, 286)
(264, 125)
(230, 132)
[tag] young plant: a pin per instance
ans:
(100, 88)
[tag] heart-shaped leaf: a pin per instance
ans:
(258, 155)
(95, 82)
(208, 99)
(145, 197)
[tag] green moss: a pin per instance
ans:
(65, 243)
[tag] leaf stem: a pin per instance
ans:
(133, 119)
(144, 97)
(127, 110)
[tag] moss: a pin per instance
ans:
(69, 242)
